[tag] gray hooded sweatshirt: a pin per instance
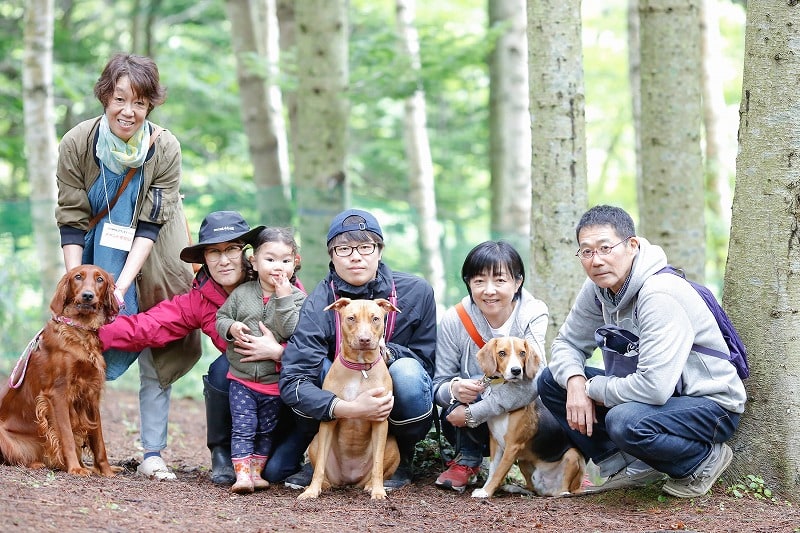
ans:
(669, 317)
(456, 356)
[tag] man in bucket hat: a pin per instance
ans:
(220, 251)
(661, 407)
(356, 271)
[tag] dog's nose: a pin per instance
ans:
(87, 296)
(516, 371)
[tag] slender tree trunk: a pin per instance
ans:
(762, 293)
(672, 205)
(635, 84)
(321, 135)
(720, 140)
(418, 152)
(558, 131)
(510, 126)
(255, 49)
(40, 138)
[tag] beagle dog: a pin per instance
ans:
(352, 451)
(530, 435)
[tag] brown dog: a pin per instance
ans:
(546, 459)
(50, 407)
(351, 451)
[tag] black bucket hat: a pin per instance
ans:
(217, 227)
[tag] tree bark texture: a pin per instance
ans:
(321, 136)
(418, 153)
(254, 39)
(510, 126)
(40, 138)
(762, 279)
(672, 205)
(558, 146)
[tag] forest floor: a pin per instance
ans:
(43, 500)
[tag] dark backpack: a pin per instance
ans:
(738, 355)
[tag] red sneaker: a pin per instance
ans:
(457, 476)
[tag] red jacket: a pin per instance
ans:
(170, 319)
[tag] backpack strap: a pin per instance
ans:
(469, 325)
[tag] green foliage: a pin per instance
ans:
(752, 486)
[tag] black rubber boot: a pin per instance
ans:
(405, 470)
(218, 436)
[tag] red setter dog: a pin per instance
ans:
(50, 407)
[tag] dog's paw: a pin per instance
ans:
(309, 494)
(480, 493)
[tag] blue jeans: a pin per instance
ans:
(409, 421)
(470, 445)
(673, 438)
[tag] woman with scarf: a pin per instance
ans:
(119, 207)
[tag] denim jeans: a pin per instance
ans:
(153, 405)
(470, 445)
(673, 438)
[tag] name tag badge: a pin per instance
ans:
(117, 237)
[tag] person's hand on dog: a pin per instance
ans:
(372, 404)
(255, 348)
(580, 408)
(467, 390)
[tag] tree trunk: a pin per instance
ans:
(418, 152)
(720, 137)
(510, 126)
(558, 170)
(762, 293)
(256, 62)
(672, 205)
(320, 139)
(635, 84)
(40, 138)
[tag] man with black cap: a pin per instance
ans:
(355, 246)
(220, 251)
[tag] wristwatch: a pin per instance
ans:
(586, 386)
(468, 418)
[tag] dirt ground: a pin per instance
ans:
(44, 500)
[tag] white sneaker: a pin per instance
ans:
(154, 467)
(701, 480)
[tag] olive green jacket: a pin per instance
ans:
(163, 274)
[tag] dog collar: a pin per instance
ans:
(363, 367)
(492, 380)
(69, 322)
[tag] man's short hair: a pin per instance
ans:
(607, 215)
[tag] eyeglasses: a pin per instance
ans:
(363, 249)
(586, 254)
(234, 251)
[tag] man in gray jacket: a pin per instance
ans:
(659, 407)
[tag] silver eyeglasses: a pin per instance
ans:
(363, 249)
(586, 254)
(233, 251)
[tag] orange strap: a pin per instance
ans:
(470, 327)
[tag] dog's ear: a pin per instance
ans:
(62, 293)
(487, 359)
(532, 361)
(338, 304)
(386, 305)
(110, 304)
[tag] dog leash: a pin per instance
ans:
(14, 380)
